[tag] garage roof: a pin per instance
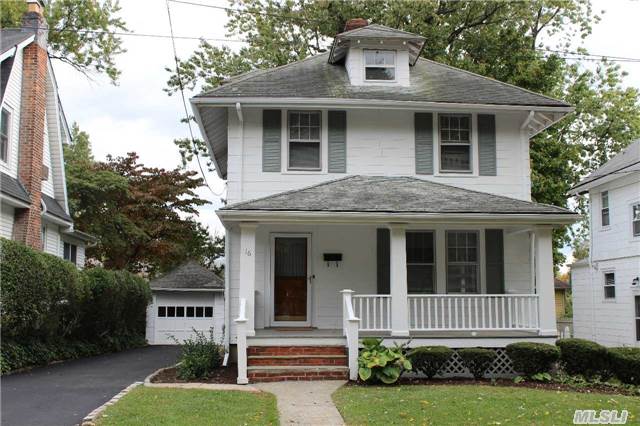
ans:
(188, 276)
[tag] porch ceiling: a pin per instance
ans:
(381, 198)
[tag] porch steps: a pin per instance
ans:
(278, 363)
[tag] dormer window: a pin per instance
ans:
(379, 65)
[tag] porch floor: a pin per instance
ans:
(290, 332)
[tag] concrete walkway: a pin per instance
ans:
(305, 403)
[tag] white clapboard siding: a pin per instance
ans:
(47, 185)
(11, 103)
(6, 221)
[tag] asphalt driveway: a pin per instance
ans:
(62, 394)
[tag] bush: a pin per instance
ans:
(201, 355)
(532, 358)
(583, 357)
(429, 359)
(377, 363)
(52, 311)
(477, 360)
(625, 363)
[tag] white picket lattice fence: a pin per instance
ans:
(502, 367)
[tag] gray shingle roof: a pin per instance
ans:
(626, 161)
(382, 194)
(12, 187)
(431, 81)
(54, 208)
(189, 275)
(9, 38)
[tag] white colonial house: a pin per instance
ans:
(606, 287)
(33, 192)
(373, 192)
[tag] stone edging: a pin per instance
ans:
(90, 418)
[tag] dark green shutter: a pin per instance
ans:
(423, 122)
(494, 257)
(487, 144)
(271, 140)
(337, 137)
(384, 265)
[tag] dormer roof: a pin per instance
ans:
(377, 34)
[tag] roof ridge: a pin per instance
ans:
(290, 191)
(261, 71)
(492, 79)
(379, 27)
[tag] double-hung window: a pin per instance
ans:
(635, 219)
(379, 65)
(4, 135)
(609, 285)
(70, 252)
(604, 210)
(463, 265)
(455, 143)
(304, 140)
(421, 271)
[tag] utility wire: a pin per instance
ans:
(184, 104)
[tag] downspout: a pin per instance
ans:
(526, 157)
(591, 289)
(227, 313)
(240, 181)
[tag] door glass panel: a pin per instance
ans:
(290, 280)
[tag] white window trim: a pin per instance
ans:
(475, 157)
(323, 143)
(9, 135)
(604, 285)
(365, 66)
(602, 208)
(434, 264)
(481, 289)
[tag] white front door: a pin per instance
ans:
(291, 280)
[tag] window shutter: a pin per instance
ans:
(384, 267)
(337, 141)
(423, 122)
(271, 140)
(487, 144)
(494, 257)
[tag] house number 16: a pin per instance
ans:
(248, 252)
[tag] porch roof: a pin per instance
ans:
(394, 195)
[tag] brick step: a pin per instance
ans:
(296, 373)
(255, 360)
(296, 350)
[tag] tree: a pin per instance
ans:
(144, 217)
(81, 32)
(508, 41)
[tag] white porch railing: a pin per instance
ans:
(473, 312)
(374, 311)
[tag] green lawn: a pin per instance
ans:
(471, 405)
(175, 407)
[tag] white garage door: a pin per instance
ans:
(175, 316)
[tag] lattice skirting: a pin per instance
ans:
(502, 367)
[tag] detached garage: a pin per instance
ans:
(187, 298)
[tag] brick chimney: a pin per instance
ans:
(28, 222)
(354, 23)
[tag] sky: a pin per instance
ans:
(137, 115)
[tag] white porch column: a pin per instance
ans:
(398, 284)
(248, 272)
(544, 281)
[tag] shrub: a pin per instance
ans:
(477, 360)
(201, 355)
(532, 358)
(583, 357)
(625, 363)
(377, 363)
(429, 359)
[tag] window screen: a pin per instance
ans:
(462, 262)
(455, 143)
(609, 285)
(420, 262)
(304, 140)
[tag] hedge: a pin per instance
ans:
(477, 360)
(532, 358)
(625, 363)
(430, 359)
(52, 311)
(584, 357)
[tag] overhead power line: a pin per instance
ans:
(184, 104)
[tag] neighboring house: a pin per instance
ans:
(605, 287)
(373, 192)
(188, 298)
(561, 291)
(33, 128)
